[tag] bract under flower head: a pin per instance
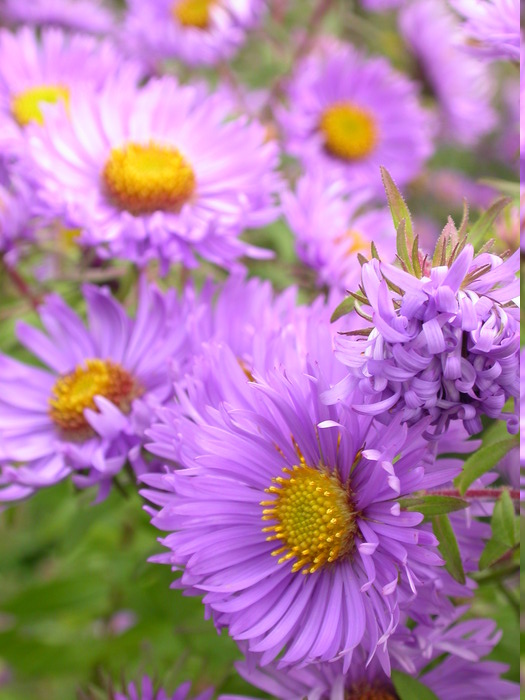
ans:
(343, 115)
(492, 27)
(146, 691)
(444, 340)
(85, 413)
(332, 225)
(168, 173)
(259, 456)
(462, 86)
(194, 31)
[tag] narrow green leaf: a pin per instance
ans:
(409, 688)
(374, 252)
(482, 461)
(506, 187)
(448, 546)
(483, 225)
(433, 505)
(504, 522)
(397, 205)
(415, 258)
(345, 307)
(402, 247)
(494, 550)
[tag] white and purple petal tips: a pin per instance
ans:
(443, 336)
(85, 412)
(168, 174)
(342, 116)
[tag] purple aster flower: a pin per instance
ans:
(90, 16)
(15, 219)
(332, 250)
(492, 27)
(195, 31)
(85, 412)
(343, 115)
(461, 674)
(461, 85)
(161, 171)
(382, 5)
(261, 458)
(147, 692)
(445, 337)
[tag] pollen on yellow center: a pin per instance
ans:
(193, 13)
(365, 691)
(143, 179)
(349, 131)
(76, 391)
(25, 106)
(314, 518)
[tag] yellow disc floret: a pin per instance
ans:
(365, 691)
(143, 179)
(356, 242)
(76, 391)
(26, 105)
(314, 517)
(349, 131)
(193, 13)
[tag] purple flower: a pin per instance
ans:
(85, 413)
(492, 27)
(382, 5)
(461, 85)
(343, 115)
(461, 674)
(90, 16)
(444, 344)
(147, 692)
(331, 250)
(161, 171)
(258, 460)
(195, 31)
(15, 220)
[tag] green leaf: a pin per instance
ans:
(448, 546)
(506, 187)
(433, 505)
(402, 247)
(409, 688)
(483, 225)
(345, 307)
(494, 550)
(397, 204)
(482, 461)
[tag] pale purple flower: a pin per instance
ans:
(461, 85)
(85, 412)
(247, 450)
(492, 27)
(444, 345)
(89, 16)
(343, 115)
(382, 5)
(332, 224)
(146, 691)
(163, 171)
(15, 217)
(195, 31)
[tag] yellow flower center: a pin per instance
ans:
(26, 105)
(314, 518)
(364, 691)
(143, 179)
(357, 243)
(193, 13)
(349, 132)
(74, 392)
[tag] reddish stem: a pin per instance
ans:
(478, 493)
(21, 285)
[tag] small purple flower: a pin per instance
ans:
(444, 342)
(195, 31)
(89, 16)
(85, 413)
(163, 171)
(343, 116)
(259, 459)
(461, 674)
(461, 85)
(331, 249)
(492, 27)
(15, 217)
(147, 692)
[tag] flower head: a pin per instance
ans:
(331, 249)
(259, 459)
(343, 114)
(492, 27)
(89, 16)
(147, 692)
(168, 173)
(461, 85)
(195, 31)
(86, 411)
